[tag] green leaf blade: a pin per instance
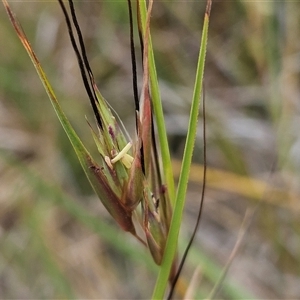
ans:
(171, 244)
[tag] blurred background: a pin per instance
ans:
(56, 239)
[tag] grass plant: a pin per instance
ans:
(123, 181)
(56, 240)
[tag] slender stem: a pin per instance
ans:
(181, 264)
(171, 245)
(158, 113)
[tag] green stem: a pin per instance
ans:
(158, 113)
(171, 244)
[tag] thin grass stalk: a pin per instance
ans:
(158, 111)
(171, 245)
(189, 245)
(248, 218)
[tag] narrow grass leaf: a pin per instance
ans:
(158, 110)
(171, 244)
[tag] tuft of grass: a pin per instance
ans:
(252, 120)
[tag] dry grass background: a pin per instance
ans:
(56, 239)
